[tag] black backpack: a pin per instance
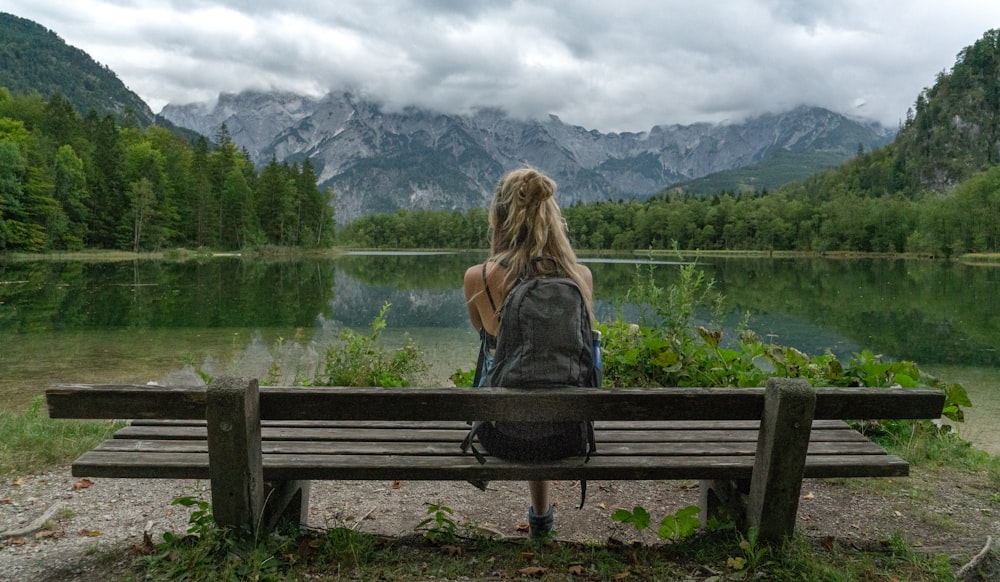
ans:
(544, 340)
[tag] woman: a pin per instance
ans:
(527, 237)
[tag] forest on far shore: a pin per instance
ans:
(69, 182)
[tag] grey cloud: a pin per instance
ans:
(616, 66)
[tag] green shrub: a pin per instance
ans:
(360, 361)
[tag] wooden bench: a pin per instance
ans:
(750, 448)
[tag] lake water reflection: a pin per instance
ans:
(143, 321)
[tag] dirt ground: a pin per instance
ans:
(56, 527)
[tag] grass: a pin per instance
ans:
(345, 554)
(29, 439)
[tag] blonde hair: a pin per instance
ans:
(526, 224)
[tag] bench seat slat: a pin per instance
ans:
(453, 424)
(460, 467)
(623, 448)
(456, 435)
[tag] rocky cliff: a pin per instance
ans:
(379, 160)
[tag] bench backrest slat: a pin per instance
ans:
(338, 403)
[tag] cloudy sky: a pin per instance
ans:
(611, 65)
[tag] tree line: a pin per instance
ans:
(69, 182)
(831, 211)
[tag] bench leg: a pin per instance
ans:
(232, 412)
(780, 460)
(285, 501)
(723, 498)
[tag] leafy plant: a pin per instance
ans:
(200, 523)
(752, 552)
(668, 348)
(463, 378)
(360, 361)
(674, 527)
(441, 528)
(638, 517)
(680, 525)
(208, 552)
(273, 376)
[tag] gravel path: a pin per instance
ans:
(60, 528)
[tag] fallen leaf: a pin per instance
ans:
(621, 575)
(523, 527)
(452, 551)
(536, 571)
(82, 484)
(601, 505)
(19, 482)
(397, 484)
(828, 542)
(45, 533)
(15, 542)
(6, 501)
(528, 556)
(809, 495)
(91, 533)
(576, 570)
(897, 514)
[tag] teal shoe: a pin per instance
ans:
(539, 526)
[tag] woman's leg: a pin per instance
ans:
(540, 512)
(539, 496)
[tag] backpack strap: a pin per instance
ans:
(487, 287)
(467, 442)
(591, 448)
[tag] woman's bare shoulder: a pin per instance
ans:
(474, 277)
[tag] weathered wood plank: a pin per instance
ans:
(456, 435)
(448, 449)
(456, 424)
(462, 467)
(126, 401)
(635, 404)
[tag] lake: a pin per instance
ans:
(143, 321)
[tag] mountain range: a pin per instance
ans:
(379, 160)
